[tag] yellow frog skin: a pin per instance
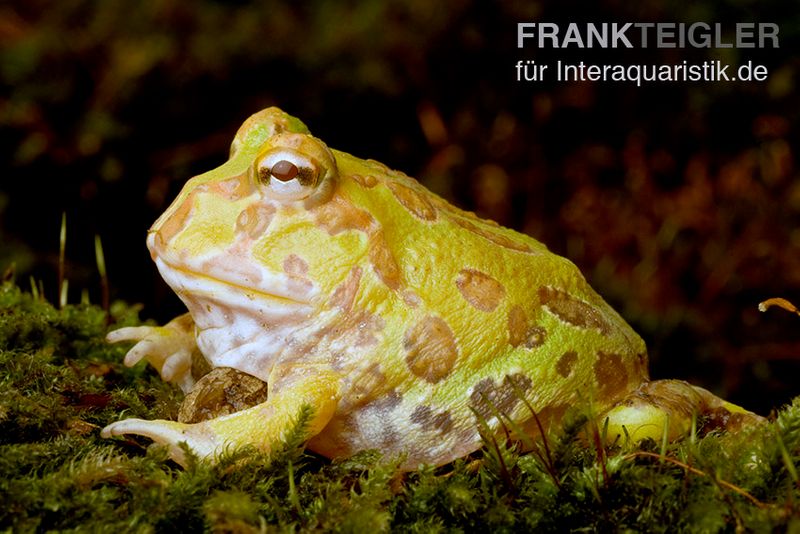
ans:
(400, 319)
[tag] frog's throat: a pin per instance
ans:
(243, 343)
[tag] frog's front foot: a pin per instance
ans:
(168, 348)
(260, 426)
(672, 407)
(200, 439)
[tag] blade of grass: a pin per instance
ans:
(101, 269)
(62, 248)
(787, 459)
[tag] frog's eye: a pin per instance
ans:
(284, 170)
(287, 174)
(295, 167)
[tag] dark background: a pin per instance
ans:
(679, 201)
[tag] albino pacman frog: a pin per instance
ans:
(399, 319)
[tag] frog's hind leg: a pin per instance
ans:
(671, 406)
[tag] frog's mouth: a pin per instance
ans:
(276, 296)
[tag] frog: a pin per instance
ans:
(398, 321)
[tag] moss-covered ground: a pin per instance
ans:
(60, 383)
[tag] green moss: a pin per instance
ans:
(61, 383)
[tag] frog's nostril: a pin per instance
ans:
(284, 170)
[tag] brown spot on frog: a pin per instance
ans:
(413, 201)
(489, 399)
(431, 349)
(572, 310)
(520, 333)
(479, 289)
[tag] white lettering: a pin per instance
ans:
(522, 34)
(597, 36)
(618, 34)
(658, 34)
(573, 36)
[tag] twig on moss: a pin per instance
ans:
(779, 302)
(694, 470)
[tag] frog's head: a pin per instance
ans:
(279, 233)
(234, 236)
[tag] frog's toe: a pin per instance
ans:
(170, 433)
(139, 351)
(177, 365)
(129, 333)
(173, 363)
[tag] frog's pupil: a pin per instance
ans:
(284, 170)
